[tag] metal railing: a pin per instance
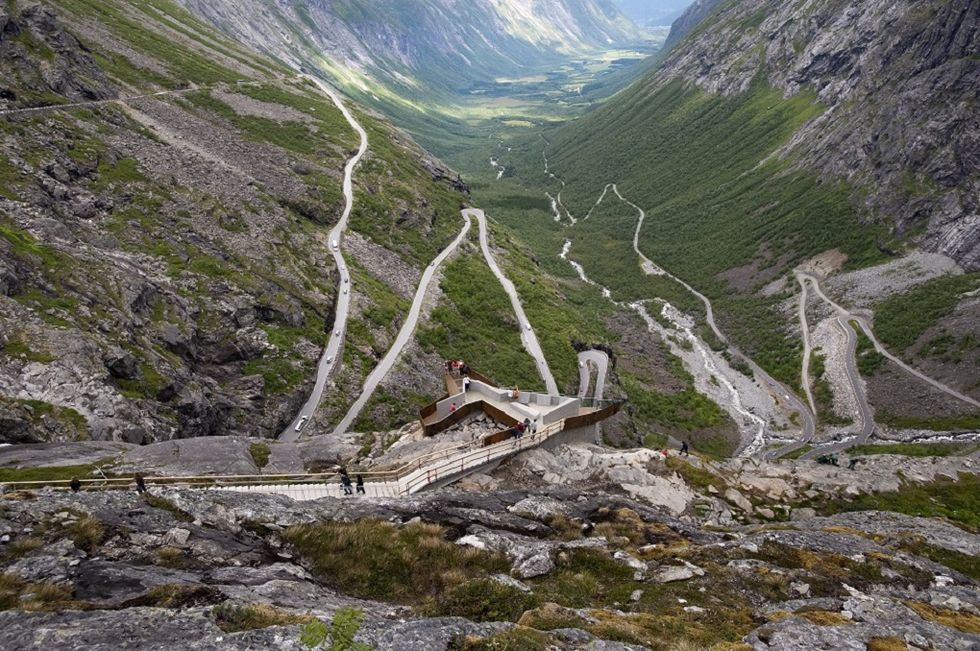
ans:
(404, 480)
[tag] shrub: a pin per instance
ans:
(260, 454)
(231, 618)
(483, 600)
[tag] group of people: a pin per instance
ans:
(348, 486)
(527, 426)
(514, 394)
(457, 367)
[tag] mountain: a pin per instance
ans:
(653, 13)
(164, 264)
(432, 65)
(775, 136)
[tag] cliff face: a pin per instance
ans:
(423, 47)
(899, 81)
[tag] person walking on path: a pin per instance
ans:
(140, 483)
(360, 485)
(75, 485)
(466, 383)
(519, 430)
(345, 483)
(527, 425)
(685, 450)
(452, 408)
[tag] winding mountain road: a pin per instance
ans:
(866, 327)
(807, 348)
(331, 353)
(528, 338)
(809, 425)
(864, 408)
(404, 335)
(586, 359)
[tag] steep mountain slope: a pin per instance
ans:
(777, 131)
(429, 64)
(164, 266)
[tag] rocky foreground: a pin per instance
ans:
(577, 566)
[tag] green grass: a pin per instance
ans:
(958, 501)
(260, 454)
(915, 449)
(475, 321)
(869, 360)
(280, 375)
(797, 453)
(955, 423)
(902, 319)
(52, 473)
(376, 560)
(231, 618)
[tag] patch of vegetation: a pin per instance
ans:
(954, 423)
(869, 360)
(475, 322)
(902, 319)
(823, 395)
(377, 560)
(171, 557)
(260, 454)
(16, 593)
(163, 503)
(519, 638)
(798, 452)
(18, 347)
(687, 410)
(962, 621)
(699, 478)
(87, 533)
(40, 412)
(280, 375)
(52, 473)
(231, 618)
(483, 600)
(964, 563)
(958, 501)
(915, 449)
(176, 595)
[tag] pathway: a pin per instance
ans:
(528, 338)
(807, 348)
(866, 327)
(331, 353)
(600, 360)
(131, 98)
(404, 335)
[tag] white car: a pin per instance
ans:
(345, 290)
(527, 325)
(336, 332)
(302, 421)
(336, 245)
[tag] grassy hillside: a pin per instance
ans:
(723, 211)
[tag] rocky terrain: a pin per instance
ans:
(578, 548)
(898, 82)
(164, 269)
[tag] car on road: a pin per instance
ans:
(345, 290)
(302, 421)
(527, 325)
(337, 332)
(336, 245)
